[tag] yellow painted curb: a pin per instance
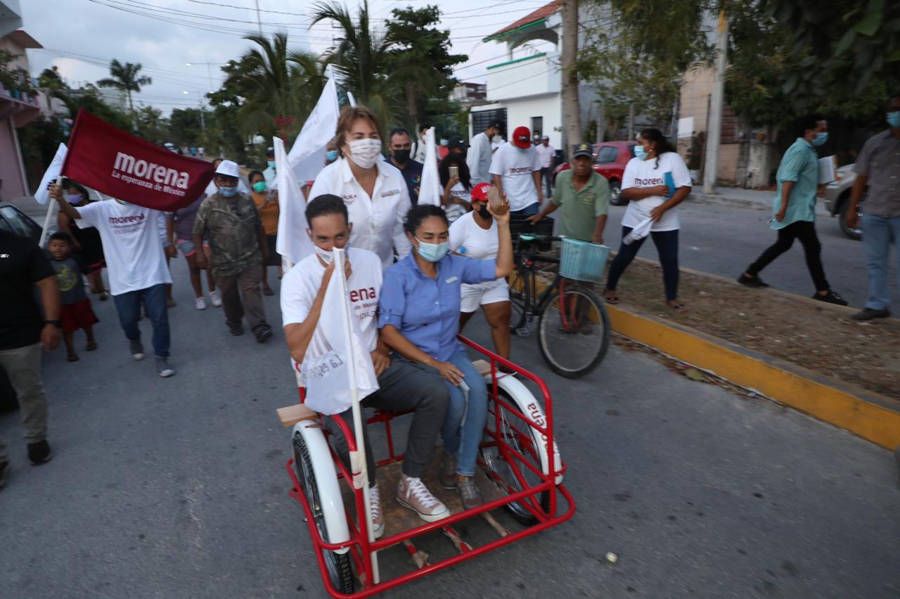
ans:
(782, 382)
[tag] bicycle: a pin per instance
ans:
(573, 326)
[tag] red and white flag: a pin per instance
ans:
(132, 169)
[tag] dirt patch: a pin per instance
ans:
(792, 329)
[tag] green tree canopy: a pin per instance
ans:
(127, 78)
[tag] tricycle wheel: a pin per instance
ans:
(527, 441)
(339, 567)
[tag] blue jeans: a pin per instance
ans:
(878, 231)
(128, 305)
(527, 211)
(464, 440)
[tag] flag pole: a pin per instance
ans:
(358, 458)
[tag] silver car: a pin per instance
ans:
(837, 199)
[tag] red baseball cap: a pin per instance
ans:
(480, 192)
(521, 137)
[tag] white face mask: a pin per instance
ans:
(364, 152)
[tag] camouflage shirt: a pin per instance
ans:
(232, 226)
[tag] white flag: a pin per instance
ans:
(337, 368)
(430, 191)
(42, 194)
(293, 242)
(307, 157)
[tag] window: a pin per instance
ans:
(537, 126)
(483, 118)
(607, 154)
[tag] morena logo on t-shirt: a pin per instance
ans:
(649, 182)
(126, 220)
(361, 295)
(520, 170)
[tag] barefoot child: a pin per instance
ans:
(76, 312)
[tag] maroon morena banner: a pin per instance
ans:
(132, 169)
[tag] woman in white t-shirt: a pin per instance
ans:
(475, 235)
(373, 190)
(457, 197)
(655, 181)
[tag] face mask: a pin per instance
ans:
(483, 211)
(893, 119)
(820, 138)
(259, 186)
(401, 156)
(640, 153)
(227, 192)
(326, 256)
(73, 198)
(433, 252)
(364, 152)
(271, 164)
(331, 155)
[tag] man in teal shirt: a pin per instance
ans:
(794, 210)
(583, 196)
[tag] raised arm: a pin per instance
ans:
(299, 335)
(64, 206)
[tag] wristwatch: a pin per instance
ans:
(56, 323)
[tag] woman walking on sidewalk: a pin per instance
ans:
(794, 210)
(655, 181)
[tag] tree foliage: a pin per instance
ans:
(127, 78)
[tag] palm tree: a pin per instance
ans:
(360, 56)
(279, 88)
(125, 77)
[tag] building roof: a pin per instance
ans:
(532, 19)
(21, 38)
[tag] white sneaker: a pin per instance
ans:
(375, 514)
(200, 303)
(215, 298)
(413, 494)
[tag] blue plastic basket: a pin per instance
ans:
(583, 261)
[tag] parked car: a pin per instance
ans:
(17, 222)
(837, 199)
(610, 158)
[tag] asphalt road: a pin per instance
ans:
(176, 488)
(724, 238)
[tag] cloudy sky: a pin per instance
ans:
(166, 36)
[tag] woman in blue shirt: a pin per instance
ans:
(419, 320)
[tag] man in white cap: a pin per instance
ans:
(136, 245)
(229, 220)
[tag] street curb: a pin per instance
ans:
(869, 415)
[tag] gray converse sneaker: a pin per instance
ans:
(163, 368)
(375, 514)
(447, 473)
(137, 349)
(412, 493)
(468, 492)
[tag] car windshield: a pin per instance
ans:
(14, 222)
(607, 154)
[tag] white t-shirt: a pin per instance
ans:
(546, 154)
(454, 211)
(377, 221)
(133, 238)
(300, 286)
(645, 173)
(469, 239)
(516, 166)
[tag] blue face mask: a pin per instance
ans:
(227, 192)
(820, 138)
(331, 155)
(433, 252)
(893, 119)
(640, 153)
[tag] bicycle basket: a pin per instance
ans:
(583, 261)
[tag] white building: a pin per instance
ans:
(526, 89)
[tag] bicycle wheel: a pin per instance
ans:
(525, 440)
(519, 297)
(573, 333)
(338, 565)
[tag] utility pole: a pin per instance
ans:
(571, 108)
(714, 134)
(258, 19)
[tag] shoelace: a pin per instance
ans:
(420, 492)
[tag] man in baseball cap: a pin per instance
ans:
(516, 173)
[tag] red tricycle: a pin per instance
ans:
(520, 472)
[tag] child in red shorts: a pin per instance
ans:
(76, 312)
